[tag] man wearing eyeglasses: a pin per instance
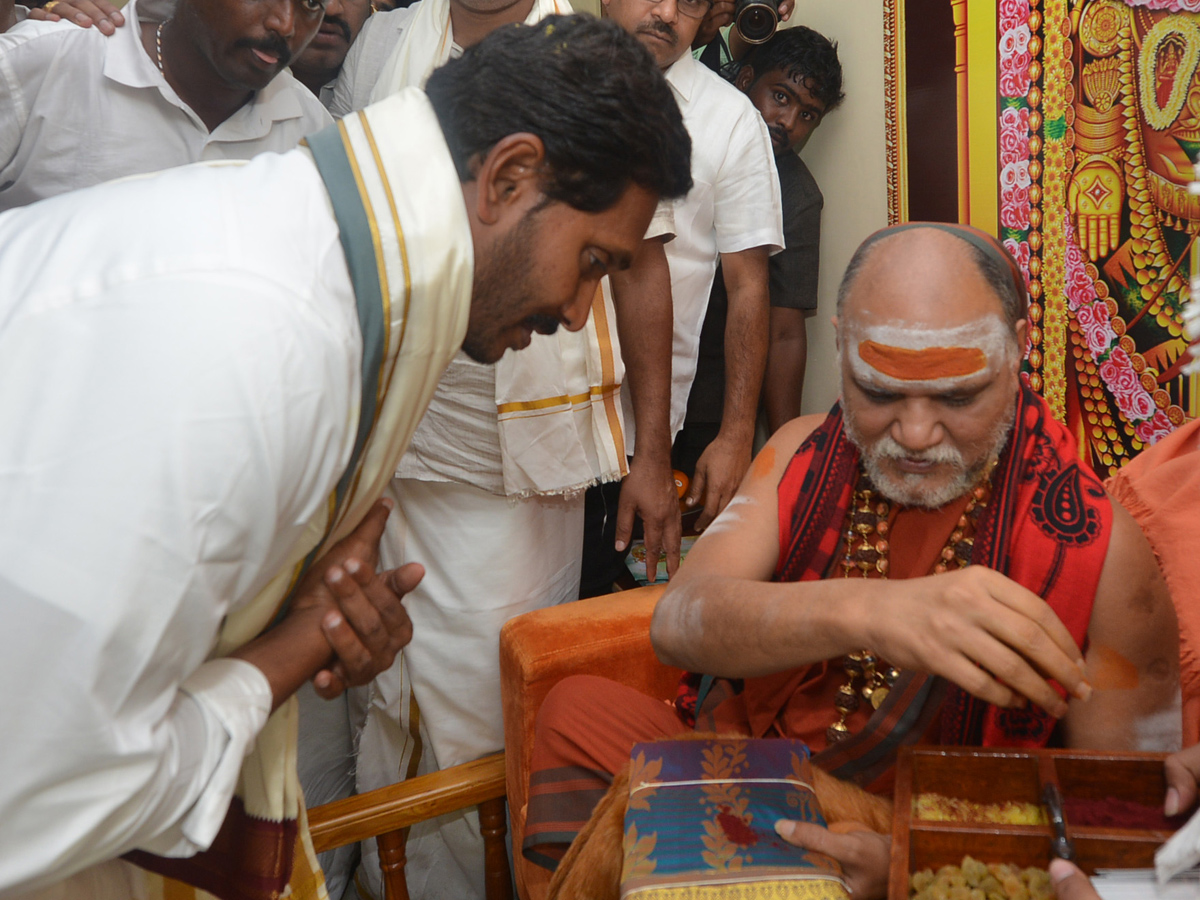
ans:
(733, 215)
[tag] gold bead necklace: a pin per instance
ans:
(867, 549)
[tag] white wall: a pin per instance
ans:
(847, 156)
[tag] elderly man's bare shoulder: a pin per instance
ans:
(796, 432)
(790, 436)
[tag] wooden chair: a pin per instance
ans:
(387, 813)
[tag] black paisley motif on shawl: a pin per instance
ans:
(1063, 502)
(1064, 507)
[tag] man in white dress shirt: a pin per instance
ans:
(216, 387)
(78, 108)
(733, 214)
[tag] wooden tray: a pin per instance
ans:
(985, 776)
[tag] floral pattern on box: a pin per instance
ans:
(701, 823)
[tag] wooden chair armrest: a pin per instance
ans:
(407, 803)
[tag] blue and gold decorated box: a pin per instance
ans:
(701, 821)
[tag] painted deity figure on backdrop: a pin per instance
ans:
(1131, 223)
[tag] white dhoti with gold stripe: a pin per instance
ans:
(440, 704)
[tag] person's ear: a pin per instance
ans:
(1022, 340)
(509, 176)
(837, 333)
(745, 78)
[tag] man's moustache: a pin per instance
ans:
(660, 28)
(889, 448)
(780, 134)
(275, 46)
(542, 324)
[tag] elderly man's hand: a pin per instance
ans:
(1070, 883)
(985, 633)
(84, 13)
(862, 853)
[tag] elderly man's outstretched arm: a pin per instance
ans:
(722, 615)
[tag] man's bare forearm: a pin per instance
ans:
(645, 325)
(746, 338)
(290, 653)
(740, 628)
(787, 357)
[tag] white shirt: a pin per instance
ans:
(78, 108)
(734, 205)
(368, 55)
(176, 403)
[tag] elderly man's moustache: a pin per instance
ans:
(542, 324)
(274, 45)
(661, 28)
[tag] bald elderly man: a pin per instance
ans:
(922, 564)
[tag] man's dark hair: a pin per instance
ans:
(804, 55)
(590, 91)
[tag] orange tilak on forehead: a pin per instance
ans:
(928, 364)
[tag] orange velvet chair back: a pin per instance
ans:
(607, 636)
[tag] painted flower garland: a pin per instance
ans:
(1016, 57)
(1015, 60)
(1116, 366)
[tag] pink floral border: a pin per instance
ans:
(1114, 364)
(1015, 60)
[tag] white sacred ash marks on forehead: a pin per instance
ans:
(901, 356)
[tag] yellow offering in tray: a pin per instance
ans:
(930, 807)
(974, 880)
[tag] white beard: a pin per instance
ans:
(913, 489)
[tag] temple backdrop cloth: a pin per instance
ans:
(700, 823)
(1046, 526)
(407, 245)
(1161, 489)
